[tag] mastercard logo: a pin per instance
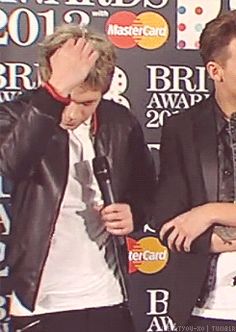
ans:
(148, 30)
(146, 255)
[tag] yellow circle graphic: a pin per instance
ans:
(154, 28)
(148, 255)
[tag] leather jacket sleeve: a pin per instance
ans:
(26, 124)
(144, 182)
(173, 194)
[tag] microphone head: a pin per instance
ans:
(101, 168)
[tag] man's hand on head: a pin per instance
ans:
(71, 64)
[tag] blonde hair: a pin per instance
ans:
(101, 74)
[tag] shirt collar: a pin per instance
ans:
(221, 120)
(83, 128)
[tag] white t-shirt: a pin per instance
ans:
(76, 274)
(221, 303)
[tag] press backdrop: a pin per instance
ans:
(159, 73)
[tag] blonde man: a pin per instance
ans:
(65, 251)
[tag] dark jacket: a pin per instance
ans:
(34, 155)
(188, 178)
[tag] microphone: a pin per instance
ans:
(102, 173)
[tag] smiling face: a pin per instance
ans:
(84, 102)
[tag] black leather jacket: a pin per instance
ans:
(34, 155)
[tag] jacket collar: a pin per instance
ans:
(206, 141)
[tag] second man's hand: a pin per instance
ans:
(182, 230)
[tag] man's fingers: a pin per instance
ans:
(87, 49)
(171, 239)
(165, 228)
(116, 210)
(118, 224)
(114, 224)
(187, 244)
(115, 216)
(179, 242)
(93, 57)
(116, 207)
(118, 232)
(70, 42)
(80, 43)
(119, 229)
(81, 46)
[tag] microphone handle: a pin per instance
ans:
(107, 192)
(108, 199)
